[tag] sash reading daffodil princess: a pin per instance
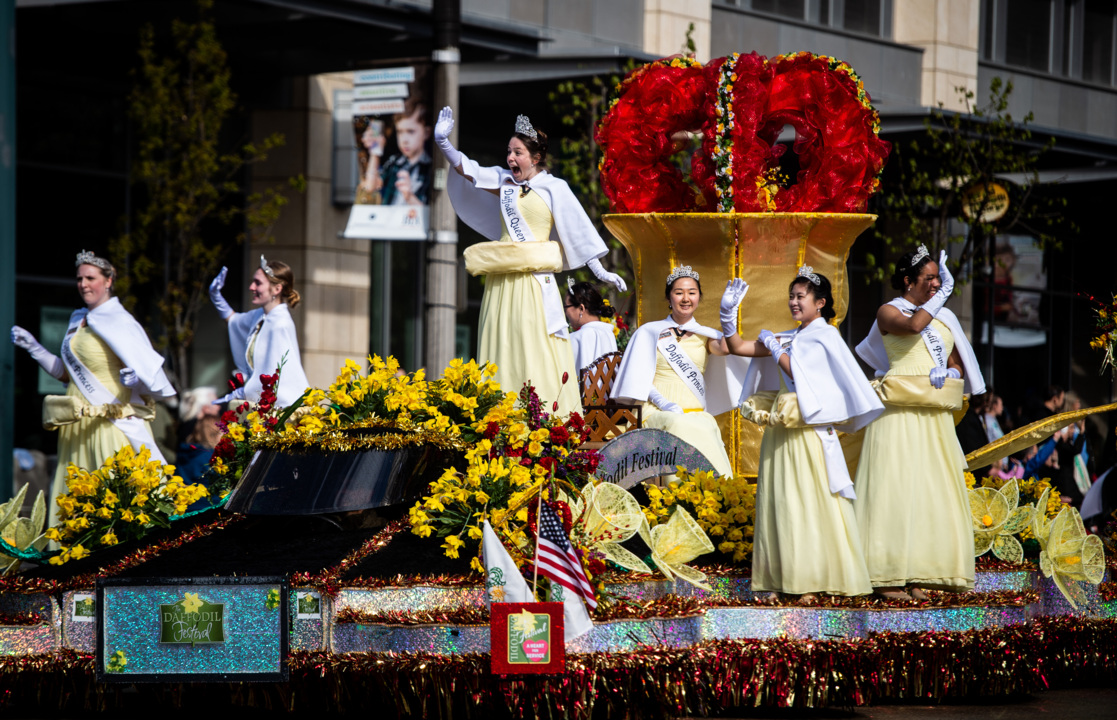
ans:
(913, 506)
(113, 377)
(803, 386)
(520, 209)
(664, 366)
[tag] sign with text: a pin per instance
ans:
(527, 638)
(196, 629)
(392, 125)
(642, 454)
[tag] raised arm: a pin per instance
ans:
(442, 129)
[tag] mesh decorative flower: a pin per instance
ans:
(677, 542)
(607, 516)
(996, 519)
(1068, 553)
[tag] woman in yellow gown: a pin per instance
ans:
(913, 506)
(805, 386)
(113, 375)
(662, 368)
(521, 209)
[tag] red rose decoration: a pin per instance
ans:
(560, 435)
(491, 431)
(225, 449)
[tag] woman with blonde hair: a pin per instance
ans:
(263, 338)
(116, 374)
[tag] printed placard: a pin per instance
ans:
(527, 638)
(158, 629)
(192, 620)
(639, 455)
(85, 608)
(308, 605)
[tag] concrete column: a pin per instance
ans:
(666, 23)
(948, 31)
(440, 316)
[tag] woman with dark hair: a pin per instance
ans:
(915, 525)
(265, 337)
(116, 374)
(802, 387)
(520, 209)
(663, 368)
(591, 338)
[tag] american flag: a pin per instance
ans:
(556, 559)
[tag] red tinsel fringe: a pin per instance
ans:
(329, 581)
(650, 682)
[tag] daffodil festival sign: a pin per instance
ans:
(158, 629)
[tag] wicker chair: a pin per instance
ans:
(604, 416)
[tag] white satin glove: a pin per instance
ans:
(938, 300)
(605, 276)
(939, 375)
(47, 360)
(129, 378)
(237, 394)
(217, 298)
(663, 403)
(735, 291)
(769, 340)
(442, 129)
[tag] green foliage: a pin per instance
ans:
(192, 181)
(934, 201)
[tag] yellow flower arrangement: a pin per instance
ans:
(124, 499)
(723, 507)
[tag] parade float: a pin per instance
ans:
(339, 557)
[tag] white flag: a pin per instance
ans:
(575, 619)
(503, 582)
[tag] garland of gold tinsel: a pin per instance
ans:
(85, 581)
(334, 441)
(653, 681)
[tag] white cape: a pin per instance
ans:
(872, 351)
(277, 337)
(129, 342)
(480, 210)
(637, 368)
(829, 384)
(591, 341)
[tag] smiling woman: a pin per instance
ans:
(663, 368)
(536, 227)
(916, 527)
(265, 337)
(116, 374)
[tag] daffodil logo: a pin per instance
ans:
(192, 620)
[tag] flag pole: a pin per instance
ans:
(538, 519)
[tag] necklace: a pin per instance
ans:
(524, 190)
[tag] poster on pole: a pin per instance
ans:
(392, 123)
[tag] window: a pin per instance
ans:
(1070, 38)
(866, 17)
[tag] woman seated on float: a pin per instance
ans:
(803, 386)
(590, 338)
(663, 368)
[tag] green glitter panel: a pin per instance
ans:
(252, 623)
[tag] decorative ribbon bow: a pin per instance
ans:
(675, 543)
(996, 519)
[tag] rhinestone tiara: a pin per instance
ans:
(523, 127)
(87, 258)
(808, 272)
(681, 272)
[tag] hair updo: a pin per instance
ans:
(281, 273)
(535, 146)
(584, 293)
(822, 291)
(906, 271)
